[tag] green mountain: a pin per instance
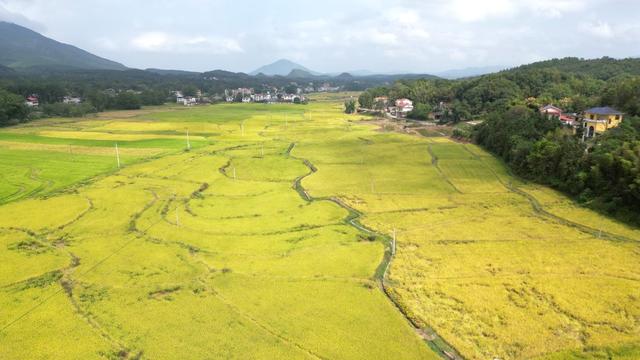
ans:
(22, 49)
(300, 74)
(281, 67)
(604, 68)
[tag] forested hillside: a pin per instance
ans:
(603, 173)
(603, 69)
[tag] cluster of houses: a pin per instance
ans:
(248, 95)
(594, 121)
(400, 109)
(187, 100)
(33, 101)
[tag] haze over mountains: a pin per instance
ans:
(22, 49)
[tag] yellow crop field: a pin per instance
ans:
(270, 237)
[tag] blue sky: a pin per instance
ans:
(424, 36)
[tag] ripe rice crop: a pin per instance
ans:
(255, 243)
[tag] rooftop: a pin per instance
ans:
(550, 107)
(603, 111)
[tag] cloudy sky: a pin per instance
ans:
(335, 35)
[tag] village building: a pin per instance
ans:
(292, 98)
(32, 101)
(555, 112)
(246, 99)
(439, 111)
(261, 97)
(185, 100)
(380, 102)
(72, 100)
(189, 101)
(550, 110)
(598, 120)
(403, 107)
(229, 99)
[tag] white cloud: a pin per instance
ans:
(599, 29)
(157, 41)
(468, 11)
(556, 8)
(106, 44)
(416, 35)
(9, 14)
(474, 10)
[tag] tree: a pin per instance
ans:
(189, 90)
(153, 97)
(291, 89)
(420, 112)
(379, 105)
(126, 101)
(12, 108)
(350, 106)
(366, 100)
(99, 100)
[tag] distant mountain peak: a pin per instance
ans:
(23, 48)
(282, 67)
(299, 73)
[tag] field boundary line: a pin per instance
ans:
(62, 288)
(434, 162)
(539, 208)
(429, 336)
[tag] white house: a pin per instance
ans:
(72, 100)
(288, 97)
(229, 99)
(246, 99)
(261, 97)
(32, 101)
(187, 101)
(404, 106)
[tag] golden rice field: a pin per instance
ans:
(249, 245)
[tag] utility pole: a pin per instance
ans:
(188, 142)
(118, 155)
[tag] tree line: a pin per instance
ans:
(603, 173)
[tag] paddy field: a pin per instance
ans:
(269, 234)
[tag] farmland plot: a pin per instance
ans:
(209, 253)
(495, 271)
(246, 246)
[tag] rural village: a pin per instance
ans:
(398, 180)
